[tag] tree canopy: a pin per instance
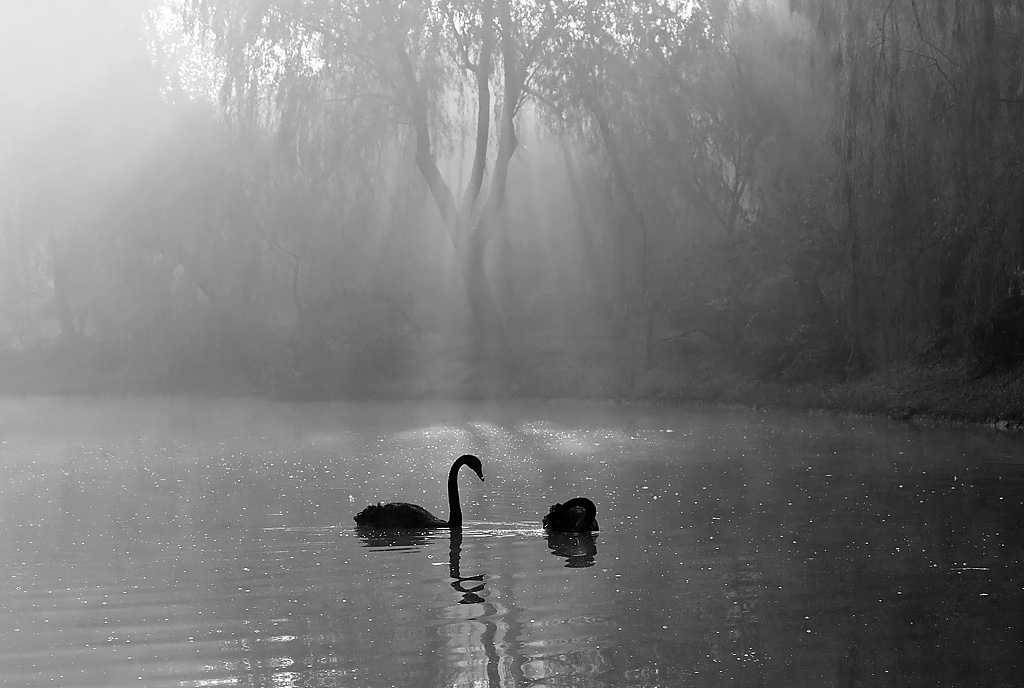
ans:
(312, 191)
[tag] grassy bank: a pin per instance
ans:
(946, 392)
(942, 392)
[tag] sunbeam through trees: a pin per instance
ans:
(510, 197)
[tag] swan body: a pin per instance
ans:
(578, 515)
(404, 515)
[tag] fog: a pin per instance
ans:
(428, 217)
(328, 200)
(73, 78)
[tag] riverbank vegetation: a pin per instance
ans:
(801, 204)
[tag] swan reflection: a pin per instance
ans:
(459, 582)
(474, 628)
(389, 538)
(578, 549)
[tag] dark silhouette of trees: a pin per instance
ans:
(315, 193)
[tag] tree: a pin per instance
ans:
(928, 99)
(404, 62)
(619, 81)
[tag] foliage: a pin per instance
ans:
(298, 191)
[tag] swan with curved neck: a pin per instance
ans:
(404, 515)
(578, 515)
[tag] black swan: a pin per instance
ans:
(578, 515)
(402, 515)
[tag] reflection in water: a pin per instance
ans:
(475, 626)
(481, 630)
(469, 595)
(753, 550)
(578, 549)
(393, 539)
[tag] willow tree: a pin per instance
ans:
(618, 88)
(928, 144)
(404, 68)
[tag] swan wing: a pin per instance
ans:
(551, 514)
(398, 515)
(570, 517)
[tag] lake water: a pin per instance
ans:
(174, 542)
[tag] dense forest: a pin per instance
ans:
(612, 199)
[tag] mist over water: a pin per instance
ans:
(198, 543)
(814, 203)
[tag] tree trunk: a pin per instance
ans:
(634, 218)
(853, 237)
(468, 229)
(61, 273)
(596, 269)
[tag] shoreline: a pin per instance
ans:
(946, 393)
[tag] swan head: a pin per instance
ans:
(474, 463)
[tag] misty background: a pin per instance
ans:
(578, 198)
(213, 209)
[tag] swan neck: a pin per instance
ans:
(454, 508)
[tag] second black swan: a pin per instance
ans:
(578, 515)
(404, 515)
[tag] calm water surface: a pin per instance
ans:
(204, 543)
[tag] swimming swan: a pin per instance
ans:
(403, 515)
(578, 515)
